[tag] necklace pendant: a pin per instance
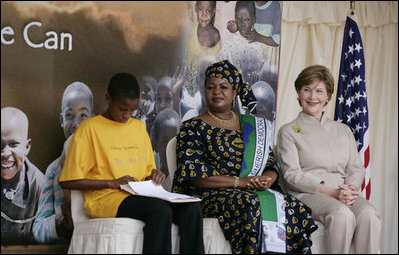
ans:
(9, 194)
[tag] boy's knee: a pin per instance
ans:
(193, 210)
(162, 209)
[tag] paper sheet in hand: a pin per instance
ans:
(149, 189)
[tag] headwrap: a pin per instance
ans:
(226, 71)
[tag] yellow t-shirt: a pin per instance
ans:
(102, 149)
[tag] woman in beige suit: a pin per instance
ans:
(321, 166)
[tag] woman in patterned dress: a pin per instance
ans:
(212, 164)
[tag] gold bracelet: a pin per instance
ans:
(236, 180)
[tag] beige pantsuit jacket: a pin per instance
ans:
(311, 152)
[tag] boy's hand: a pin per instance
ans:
(252, 36)
(115, 184)
(157, 176)
(232, 26)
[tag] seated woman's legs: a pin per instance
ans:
(368, 227)
(157, 216)
(188, 217)
(299, 226)
(239, 216)
(338, 219)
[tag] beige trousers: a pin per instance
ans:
(360, 223)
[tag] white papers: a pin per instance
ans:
(149, 189)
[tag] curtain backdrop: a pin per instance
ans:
(312, 33)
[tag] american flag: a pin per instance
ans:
(351, 105)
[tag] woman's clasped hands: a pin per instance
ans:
(256, 182)
(347, 194)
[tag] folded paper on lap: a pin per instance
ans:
(149, 189)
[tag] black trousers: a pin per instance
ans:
(158, 216)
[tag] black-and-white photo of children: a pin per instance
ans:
(148, 86)
(256, 53)
(165, 127)
(21, 180)
(53, 222)
(265, 108)
(168, 94)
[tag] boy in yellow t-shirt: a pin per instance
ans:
(112, 149)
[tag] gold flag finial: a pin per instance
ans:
(352, 7)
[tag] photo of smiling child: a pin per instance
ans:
(204, 38)
(21, 181)
(203, 44)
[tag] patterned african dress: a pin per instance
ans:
(204, 151)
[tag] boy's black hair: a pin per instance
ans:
(249, 5)
(123, 84)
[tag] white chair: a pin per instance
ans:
(214, 241)
(107, 235)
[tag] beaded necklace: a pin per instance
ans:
(228, 123)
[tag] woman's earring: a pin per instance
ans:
(234, 103)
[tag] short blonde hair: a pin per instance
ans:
(315, 73)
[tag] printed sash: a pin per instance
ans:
(257, 141)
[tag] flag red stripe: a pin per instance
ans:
(367, 157)
(368, 190)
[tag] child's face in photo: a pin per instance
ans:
(121, 108)
(164, 98)
(245, 21)
(14, 147)
(264, 108)
(204, 13)
(147, 96)
(75, 112)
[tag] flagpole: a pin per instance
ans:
(352, 7)
(351, 102)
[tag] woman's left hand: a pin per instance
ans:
(259, 182)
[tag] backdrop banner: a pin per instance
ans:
(48, 45)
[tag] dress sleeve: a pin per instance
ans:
(190, 150)
(293, 175)
(272, 162)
